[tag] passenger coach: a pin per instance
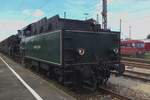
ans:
(134, 48)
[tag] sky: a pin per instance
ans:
(16, 14)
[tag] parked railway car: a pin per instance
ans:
(74, 52)
(147, 44)
(133, 48)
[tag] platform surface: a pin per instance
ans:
(11, 88)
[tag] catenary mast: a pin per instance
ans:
(104, 14)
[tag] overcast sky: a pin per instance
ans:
(15, 14)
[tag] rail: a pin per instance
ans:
(114, 94)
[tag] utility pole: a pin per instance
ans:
(121, 34)
(65, 15)
(97, 19)
(130, 32)
(86, 14)
(120, 25)
(104, 14)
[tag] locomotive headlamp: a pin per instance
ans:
(116, 50)
(81, 51)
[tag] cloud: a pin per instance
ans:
(9, 27)
(34, 13)
(110, 1)
(38, 13)
(140, 0)
(26, 12)
(122, 9)
(76, 2)
(140, 24)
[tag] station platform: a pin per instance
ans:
(18, 83)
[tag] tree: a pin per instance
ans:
(148, 37)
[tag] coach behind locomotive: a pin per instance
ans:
(72, 51)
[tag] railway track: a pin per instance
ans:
(114, 94)
(101, 92)
(137, 75)
(136, 64)
(129, 73)
(136, 60)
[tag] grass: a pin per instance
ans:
(147, 55)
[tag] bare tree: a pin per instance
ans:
(148, 37)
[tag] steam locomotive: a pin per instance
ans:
(74, 52)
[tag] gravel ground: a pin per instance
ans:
(136, 90)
